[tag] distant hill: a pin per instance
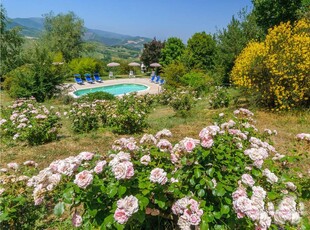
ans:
(33, 27)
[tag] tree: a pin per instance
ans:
(270, 13)
(11, 45)
(173, 50)
(232, 40)
(200, 52)
(39, 78)
(63, 33)
(151, 52)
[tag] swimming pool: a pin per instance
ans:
(116, 90)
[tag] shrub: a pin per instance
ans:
(129, 115)
(29, 121)
(181, 100)
(173, 73)
(39, 79)
(277, 68)
(198, 81)
(219, 98)
(96, 96)
(229, 178)
(84, 117)
(84, 65)
(17, 210)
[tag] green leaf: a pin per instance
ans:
(210, 172)
(201, 192)
(217, 215)
(121, 190)
(108, 221)
(219, 191)
(140, 216)
(225, 209)
(68, 196)
(160, 203)
(119, 226)
(143, 201)
(59, 209)
(204, 225)
(197, 173)
(112, 191)
(272, 195)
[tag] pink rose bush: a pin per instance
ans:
(125, 209)
(28, 121)
(188, 212)
(226, 173)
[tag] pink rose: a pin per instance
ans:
(145, 160)
(247, 179)
(86, 156)
(83, 179)
(120, 216)
(76, 220)
(158, 175)
(99, 166)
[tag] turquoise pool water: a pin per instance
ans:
(113, 89)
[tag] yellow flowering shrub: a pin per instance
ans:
(278, 68)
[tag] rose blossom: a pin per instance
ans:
(120, 216)
(99, 166)
(158, 175)
(129, 204)
(145, 160)
(123, 170)
(248, 179)
(13, 165)
(83, 179)
(86, 156)
(291, 186)
(76, 220)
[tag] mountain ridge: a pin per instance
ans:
(32, 28)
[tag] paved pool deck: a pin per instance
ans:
(153, 88)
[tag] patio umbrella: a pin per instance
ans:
(134, 64)
(155, 65)
(112, 64)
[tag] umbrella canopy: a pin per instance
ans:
(134, 64)
(112, 64)
(155, 65)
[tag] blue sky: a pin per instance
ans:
(161, 18)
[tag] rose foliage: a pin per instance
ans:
(228, 177)
(27, 120)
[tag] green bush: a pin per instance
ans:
(84, 117)
(26, 120)
(198, 81)
(173, 74)
(129, 115)
(38, 79)
(84, 65)
(219, 98)
(96, 96)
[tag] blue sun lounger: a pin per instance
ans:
(97, 77)
(88, 78)
(153, 78)
(157, 80)
(78, 79)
